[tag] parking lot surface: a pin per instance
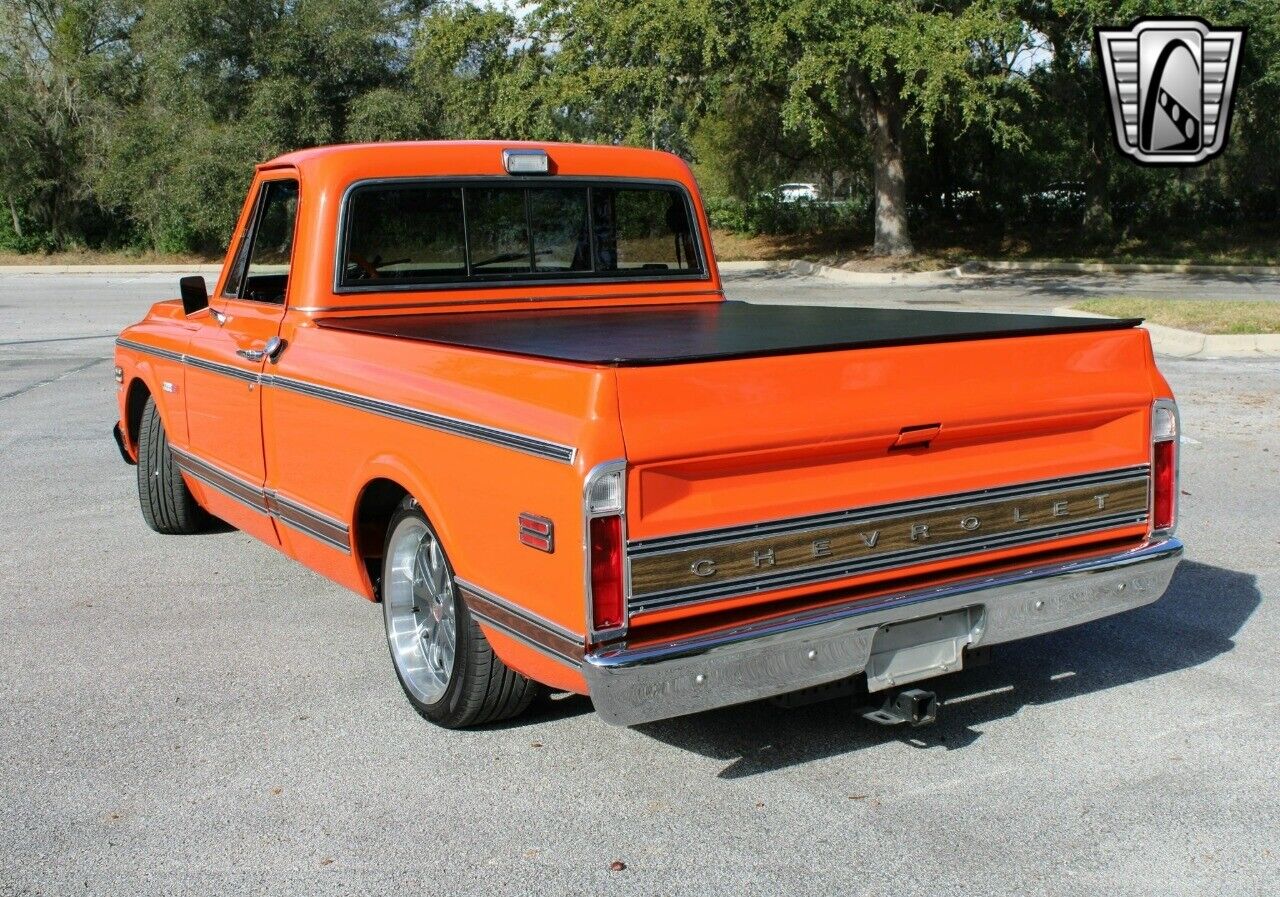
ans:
(1011, 292)
(200, 715)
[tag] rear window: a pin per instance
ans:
(422, 233)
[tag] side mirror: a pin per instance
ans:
(195, 295)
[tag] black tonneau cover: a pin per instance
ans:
(676, 334)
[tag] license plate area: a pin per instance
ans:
(920, 649)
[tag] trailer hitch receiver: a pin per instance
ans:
(913, 706)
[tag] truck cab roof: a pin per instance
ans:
(328, 177)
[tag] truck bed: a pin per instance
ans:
(675, 334)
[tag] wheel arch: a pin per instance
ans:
(135, 401)
(375, 506)
(386, 483)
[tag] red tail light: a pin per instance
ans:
(1162, 504)
(607, 610)
(1164, 466)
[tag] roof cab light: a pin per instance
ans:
(526, 161)
(1164, 466)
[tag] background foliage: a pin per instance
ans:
(136, 123)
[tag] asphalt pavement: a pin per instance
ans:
(200, 715)
(1012, 292)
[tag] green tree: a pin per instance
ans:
(743, 147)
(883, 65)
(842, 71)
(466, 64)
(61, 61)
(225, 84)
(137, 122)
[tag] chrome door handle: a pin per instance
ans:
(270, 351)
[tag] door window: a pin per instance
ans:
(261, 268)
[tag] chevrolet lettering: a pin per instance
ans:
(821, 548)
(496, 388)
(872, 538)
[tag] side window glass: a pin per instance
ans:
(267, 276)
(260, 270)
(235, 279)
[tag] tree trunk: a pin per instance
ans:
(1098, 225)
(892, 234)
(17, 223)
(882, 116)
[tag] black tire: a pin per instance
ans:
(482, 689)
(167, 504)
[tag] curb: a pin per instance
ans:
(1193, 344)
(977, 268)
(829, 272)
(750, 267)
(111, 269)
(799, 266)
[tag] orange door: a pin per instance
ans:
(225, 360)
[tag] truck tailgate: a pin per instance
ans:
(743, 470)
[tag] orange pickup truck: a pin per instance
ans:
(497, 387)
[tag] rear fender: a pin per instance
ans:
(414, 480)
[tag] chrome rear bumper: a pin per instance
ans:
(760, 660)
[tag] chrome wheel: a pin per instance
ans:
(419, 607)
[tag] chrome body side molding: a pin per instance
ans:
(308, 522)
(167, 354)
(333, 533)
(529, 445)
(494, 435)
(525, 626)
(785, 654)
(226, 370)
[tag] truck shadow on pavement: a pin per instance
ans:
(1196, 621)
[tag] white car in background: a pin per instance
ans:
(797, 192)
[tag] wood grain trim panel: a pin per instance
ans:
(965, 525)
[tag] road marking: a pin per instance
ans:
(46, 381)
(59, 339)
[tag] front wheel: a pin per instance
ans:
(168, 506)
(442, 659)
